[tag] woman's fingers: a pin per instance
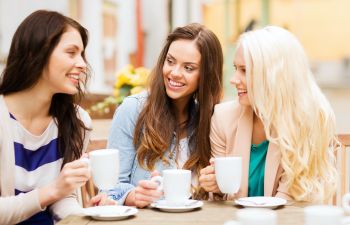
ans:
(101, 199)
(94, 200)
(207, 170)
(148, 184)
(146, 193)
(151, 192)
(76, 164)
(142, 204)
(212, 161)
(106, 201)
(208, 182)
(155, 173)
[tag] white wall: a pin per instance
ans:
(126, 36)
(156, 27)
(91, 19)
(11, 16)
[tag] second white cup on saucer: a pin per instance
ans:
(254, 216)
(323, 215)
(176, 184)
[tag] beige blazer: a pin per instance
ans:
(14, 209)
(231, 135)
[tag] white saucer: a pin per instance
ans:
(261, 202)
(110, 212)
(188, 206)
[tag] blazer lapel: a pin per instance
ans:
(242, 145)
(273, 159)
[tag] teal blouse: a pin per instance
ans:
(257, 169)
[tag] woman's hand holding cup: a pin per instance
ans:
(101, 199)
(207, 178)
(73, 175)
(145, 193)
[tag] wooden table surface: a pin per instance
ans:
(212, 213)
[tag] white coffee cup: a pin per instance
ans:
(232, 222)
(255, 216)
(323, 215)
(345, 202)
(104, 165)
(228, 172)
(176, 184)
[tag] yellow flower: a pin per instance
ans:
(116, 92)
(128, 81)
(131, 76)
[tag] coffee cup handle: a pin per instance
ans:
(159, 181)
(345, 202)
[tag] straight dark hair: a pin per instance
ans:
(156, 124)
(31, 48)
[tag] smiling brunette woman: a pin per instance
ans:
(168, 127)
(43, 133)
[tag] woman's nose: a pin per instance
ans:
(81, 63)
(176, 71)
(235, 80)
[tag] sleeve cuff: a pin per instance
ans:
(120, 193)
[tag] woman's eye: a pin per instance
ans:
(189, 68)
(169, 61)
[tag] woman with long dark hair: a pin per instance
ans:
(168, 127)
(43, 132)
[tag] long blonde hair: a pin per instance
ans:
(296, 115)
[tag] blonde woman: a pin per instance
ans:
(281, 125)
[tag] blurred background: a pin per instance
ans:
(132, 32)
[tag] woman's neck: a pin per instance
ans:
(258, 135)
(29, 104)
(181, 113)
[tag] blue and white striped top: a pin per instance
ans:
(37, 163)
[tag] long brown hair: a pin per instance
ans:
(31, 47)
(156, 124)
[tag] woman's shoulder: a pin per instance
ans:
(227, 108)
(137, 98)
(225, 117)
(134, 102)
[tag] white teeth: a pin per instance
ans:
(74, 76)
(241, 91)
(175, 84)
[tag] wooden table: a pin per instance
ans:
(212, 213)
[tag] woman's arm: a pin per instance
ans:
(207, 177)
(121, 138)
(14, 209)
